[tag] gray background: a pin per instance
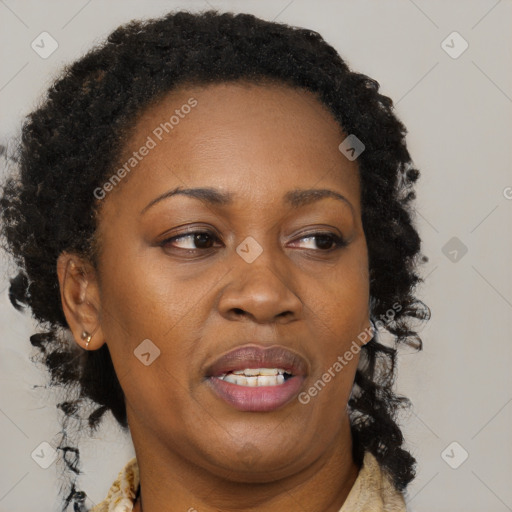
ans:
(458, 114)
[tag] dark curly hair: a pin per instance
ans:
(71, 143)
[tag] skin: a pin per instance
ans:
(193, 449)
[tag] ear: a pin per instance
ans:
(80, 298)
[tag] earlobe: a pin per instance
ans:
(80, 299)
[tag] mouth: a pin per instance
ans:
(257, 379)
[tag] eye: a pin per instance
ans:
(325, 241)
(192, 241)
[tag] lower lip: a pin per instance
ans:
(256, 399)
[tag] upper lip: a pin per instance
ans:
(254, 356)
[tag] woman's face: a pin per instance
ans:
(170, 303)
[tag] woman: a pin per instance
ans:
(216, 208)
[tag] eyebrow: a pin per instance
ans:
(294, 198)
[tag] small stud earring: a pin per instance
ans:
(87, 337)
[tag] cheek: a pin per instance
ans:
(339, 314)
(151, 324)
(145, 297)
(146, 308)
(341, 298)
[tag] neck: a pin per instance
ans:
(324, 485)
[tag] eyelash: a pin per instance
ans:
(339, 242)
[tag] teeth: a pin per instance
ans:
(253, 381)
(250, 372)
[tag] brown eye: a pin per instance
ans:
(192, 241)
(324, 241)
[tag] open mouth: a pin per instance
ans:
(256, 377)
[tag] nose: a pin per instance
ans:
(261, 292)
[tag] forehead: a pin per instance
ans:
(241, 110)
(239, 99)
(236, 136)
